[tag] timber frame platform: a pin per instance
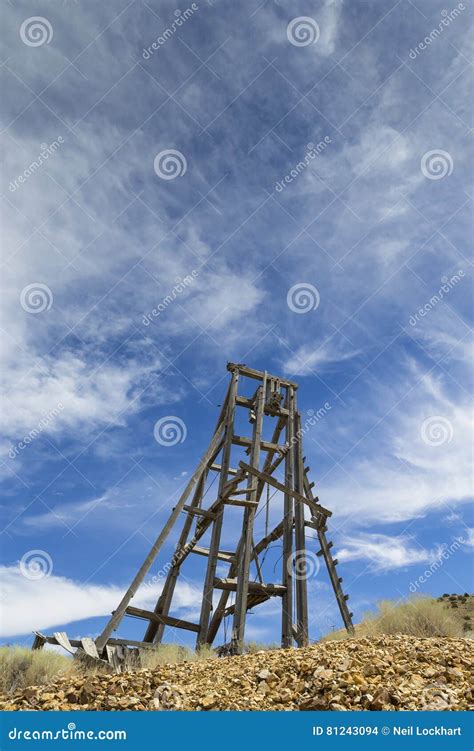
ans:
(245, 467)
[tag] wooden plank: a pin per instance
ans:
(222, 555)
(302, 626)
(288, 515)
(63, 641)
(199, 512)
(168, 620)
(231, 584)
(240, 502)
(89, 647)
(39, 641)
(240, 440)
(217, 524)
(315, 507)
(218, 468)
(143, 570)
(154, 631)
(257, 374)
(246, 549)
(221, 606)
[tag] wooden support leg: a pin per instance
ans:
(142, 572)
(300, 543)
(287, 561)
(217, 525)
(219, 611)
(240, 610)
(154, 632)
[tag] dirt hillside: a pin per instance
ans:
(385, 672)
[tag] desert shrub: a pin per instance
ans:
(21, 667)
(418, 616)
(167, 654)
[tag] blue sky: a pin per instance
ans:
(313, 143)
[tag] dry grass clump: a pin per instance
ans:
(418, 616)
(172, 654)
(20, 667)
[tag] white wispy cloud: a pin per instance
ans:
(58, 601)
(384, 552)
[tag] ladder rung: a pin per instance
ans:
(240, 502)
(199, 512)
(311, 485)
(223, 555)
(218, 468)
(346, 597)
(231, 585)
(335, 561)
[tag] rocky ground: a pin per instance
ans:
(385, 672)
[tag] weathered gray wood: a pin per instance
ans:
(257, 375)
(88, 645)
(119, 613)
(217, 524)
(288, 513)
(301, 582)
(315, 507)
(331, 567)
(245, 552)
(168, 620)
(62, 639)
(231, 584)
(199, 512)
(221, 607)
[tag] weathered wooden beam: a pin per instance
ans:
(273, 590)
(199, 512)
(245, 549)
(223, 555)
(206, 604)
(315, 507)
(240, 440)
(144, 568)
(257, 374)
(167, 620)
